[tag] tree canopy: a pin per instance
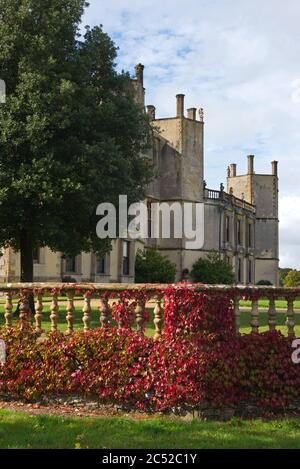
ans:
(71, 134)
(292, 279)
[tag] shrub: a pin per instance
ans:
(264, 282)
(184, 372)
(213, 270)
(107, 363)
(152, 267)
(188, 311)
(267, 374)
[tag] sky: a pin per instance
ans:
(239, 60)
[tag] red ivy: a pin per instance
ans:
(198, 359)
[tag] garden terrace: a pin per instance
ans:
(126, 305)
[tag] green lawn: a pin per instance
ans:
(265, 303)
(20, 430)
(263, 320)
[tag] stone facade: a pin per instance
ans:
(261, 190)
(242, 223)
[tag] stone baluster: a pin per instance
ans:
(24, 310)
(254, 316)
(70, 313)
(54, 312)
(121, 322)
(272, 315)
(158, 318)
(8, 310)
(39, 313)
(237, 315)
(104, 310)
(86, 313)
(139, 315)
(290, 320)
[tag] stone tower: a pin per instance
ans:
(184, 134)
(178, 162)
(260, 190)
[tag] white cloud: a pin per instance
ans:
(289, 235)
(238, 60)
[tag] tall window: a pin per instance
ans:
(227, 229)
(36, 256)
(126, 253)
(239, 232)
(250, 235)
(240, 275)
(100, 264)
(250, 272)
(71, 265)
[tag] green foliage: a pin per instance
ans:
(152, 267)
(264, 282)
(212, 270)
(70, 131)
(282, 274)
(292, 279)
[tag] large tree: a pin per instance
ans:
(70, 132)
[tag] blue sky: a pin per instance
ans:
(239, 60)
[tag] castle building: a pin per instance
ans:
(240, 223)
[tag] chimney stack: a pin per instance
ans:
(180, 105)
(275, 168)
(250, 164)
(201, 114)
(232, 170)
(191, 113)
(139, 73)
(151, 111)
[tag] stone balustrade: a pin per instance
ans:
(212, 194)
(66, 298)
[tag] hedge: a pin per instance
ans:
(199, 358)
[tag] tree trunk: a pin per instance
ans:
(26, 250)
(26, 257)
